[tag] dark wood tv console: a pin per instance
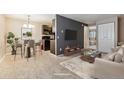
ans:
(71, 51)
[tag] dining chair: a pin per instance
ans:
(31, 44)
(17, 45)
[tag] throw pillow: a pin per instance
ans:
(123, 59)
(71, 50)
(121, 51)
(77, 48)
(112, 56)
(115, 49)
(118, 58)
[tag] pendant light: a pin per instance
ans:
(28, 25)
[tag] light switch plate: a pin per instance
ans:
(57, 37)
(60, 49)
(62, 31)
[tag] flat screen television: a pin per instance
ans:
(70, 34)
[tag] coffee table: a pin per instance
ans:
(89, 55)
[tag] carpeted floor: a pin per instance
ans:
(79, 67)
(43, 66)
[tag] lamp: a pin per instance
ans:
(28, 25)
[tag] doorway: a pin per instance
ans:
(90, 37)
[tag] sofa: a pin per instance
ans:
(108, 69)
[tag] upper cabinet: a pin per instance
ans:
(47, 30)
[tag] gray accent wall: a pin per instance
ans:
(62, 24)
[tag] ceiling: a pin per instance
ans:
(41, 18)
(89, 18)
(47, 18)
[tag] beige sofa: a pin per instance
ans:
(106, 69)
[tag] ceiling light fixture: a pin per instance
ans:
(28, 25)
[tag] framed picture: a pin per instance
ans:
(26, 33)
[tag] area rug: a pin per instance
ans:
(79, 67)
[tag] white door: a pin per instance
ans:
(106, 37)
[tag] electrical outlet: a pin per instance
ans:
(62, 31)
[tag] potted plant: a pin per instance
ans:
(10, 41)
(29, 34)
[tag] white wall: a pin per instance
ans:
(86, 36)
(2, 36)
(14, 25)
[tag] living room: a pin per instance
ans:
(51, 46)
(76, 46)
